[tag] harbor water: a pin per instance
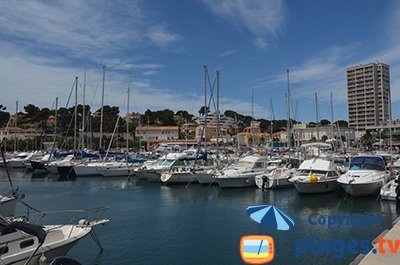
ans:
(151, 223)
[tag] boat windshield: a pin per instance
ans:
(243, 164)
(168, 162)
(367, 163)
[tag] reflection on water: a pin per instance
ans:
(156, 224)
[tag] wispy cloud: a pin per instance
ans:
(90, 30)
(160, 36)
(263, 19)
(227, 53)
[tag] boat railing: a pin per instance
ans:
(63, 217)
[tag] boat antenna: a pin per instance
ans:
(5, 166)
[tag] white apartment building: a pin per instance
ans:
(224, 121)
(368, 95)
(156, 133)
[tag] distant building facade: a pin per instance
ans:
(224, 121)
(368, 95)
(158, 133)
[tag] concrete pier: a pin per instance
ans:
(375, 257)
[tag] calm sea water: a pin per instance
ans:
(157, 224)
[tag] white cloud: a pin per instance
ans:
(227, 53)
(262, 19)
(160, 36)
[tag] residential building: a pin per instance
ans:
(210, 133)
(224, 121)
(149, 133)
(368, 95)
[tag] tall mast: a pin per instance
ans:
(83, 109)
(272, 123)
(205, 108)
(333, 127)
(16, 125)
(289, 132)
(217, 114)
(55, 120)
(127, 119)
(252, 117)
(101, 112)
(316, 114)
(75, 112)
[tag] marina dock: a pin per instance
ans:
(374, 257)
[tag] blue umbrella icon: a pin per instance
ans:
(271, 216)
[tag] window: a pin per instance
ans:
(26, 243)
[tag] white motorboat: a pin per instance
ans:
(242, 173)
(24, 243)
(316, 176)
(391, 190)
(153, 172)
(366, 176)
(277, 178)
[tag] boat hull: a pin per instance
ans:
(363, 189)
(265, 182)
(175, 178)
(236, 182)
(319, 187)
(205, 178)
(66, 173)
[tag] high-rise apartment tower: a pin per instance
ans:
(368, 95)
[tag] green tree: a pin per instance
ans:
(367, 138)
(201, 110)
(4, 116)
(324, 122)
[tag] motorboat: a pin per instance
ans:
(278, 174)
(391, 190)
(277, 178)
(316, 175)
(242, 173)
(26, 243)
(367, 175)
(153, 172)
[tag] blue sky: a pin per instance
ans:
(162, 45)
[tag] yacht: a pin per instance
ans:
(26, 243)
(367, 174)
(278, 176)
(242, 173)
(316, 175)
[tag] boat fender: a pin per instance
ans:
(43, 260)
(313, 179)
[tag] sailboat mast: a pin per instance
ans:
(333, 127)
(127, 119)
(289, 132)
(217, 114)
(316, 114)
(16, 125)
(272, 123)
(205, 108)
(83, 109)
(75, 112)
(101, 111)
